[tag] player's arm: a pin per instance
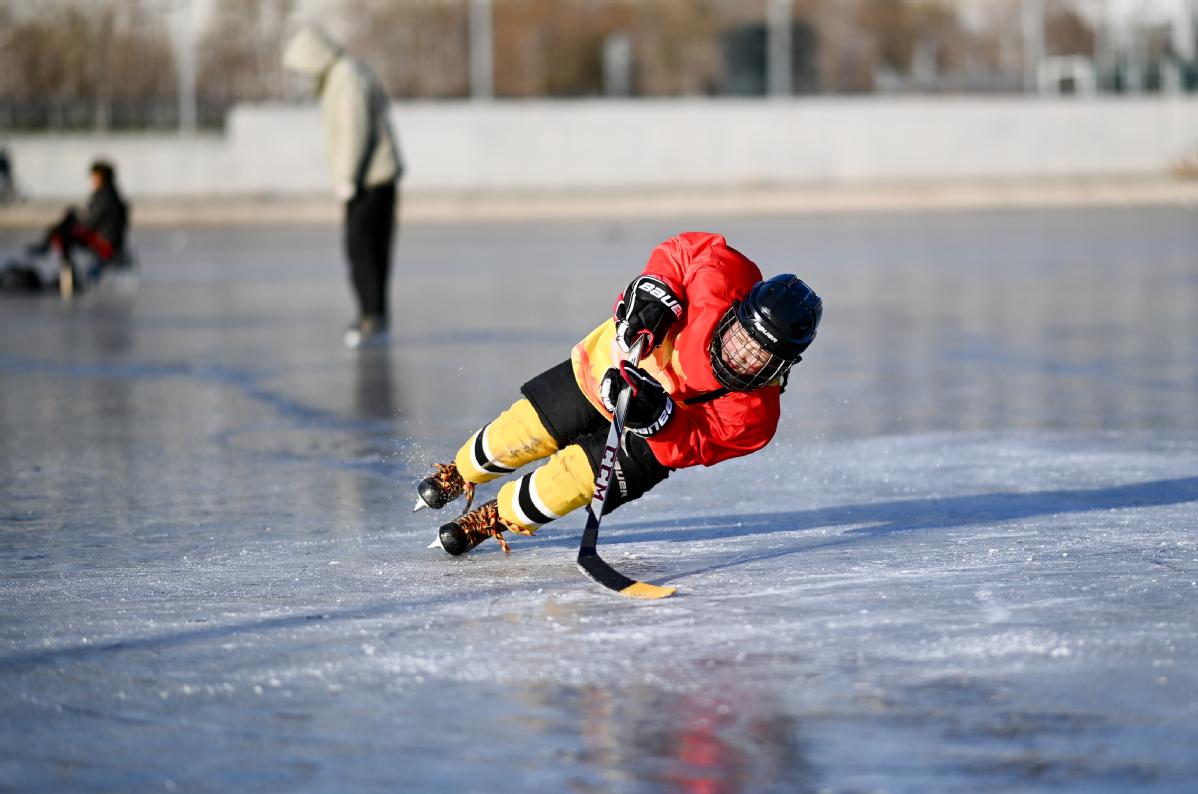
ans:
(734, 425)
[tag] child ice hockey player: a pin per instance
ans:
(718, 346)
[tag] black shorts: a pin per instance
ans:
(571, 419)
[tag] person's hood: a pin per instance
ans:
(310, 52)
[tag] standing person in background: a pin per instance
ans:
(366, 165)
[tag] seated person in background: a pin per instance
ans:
(100, 230)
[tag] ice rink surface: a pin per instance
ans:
(968, 561)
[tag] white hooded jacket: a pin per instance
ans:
(354, 108)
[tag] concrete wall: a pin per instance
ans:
(566, 145)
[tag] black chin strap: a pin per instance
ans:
(707, 397)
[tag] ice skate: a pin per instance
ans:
(470, 529)
(442, 487)
(367, 332)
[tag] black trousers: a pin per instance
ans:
(369, 232)
(69, 235)
(571, 419)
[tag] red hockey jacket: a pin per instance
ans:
(708, 275)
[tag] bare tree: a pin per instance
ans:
(677, 44)
(547, 48)
(418, 48)
(95, 59)
(241, 50)
(74, 64)
(554, 47)
(1067, 33)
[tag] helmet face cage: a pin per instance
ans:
(722, 356)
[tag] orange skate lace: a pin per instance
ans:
(454, 484)
(487, 521)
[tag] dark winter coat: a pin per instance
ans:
(107, 214)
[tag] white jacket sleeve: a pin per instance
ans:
(346, 111)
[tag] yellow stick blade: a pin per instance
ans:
(646, 590)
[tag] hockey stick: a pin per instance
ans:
(589, 561)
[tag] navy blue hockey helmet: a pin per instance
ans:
(761, 337)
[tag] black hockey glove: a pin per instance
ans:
(648, 305)
(649, 406)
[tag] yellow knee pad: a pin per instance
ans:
(512, 439)
(564, 483)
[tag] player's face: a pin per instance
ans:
(741, 352)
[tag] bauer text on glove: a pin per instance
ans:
(648, 306)
(650, 406)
